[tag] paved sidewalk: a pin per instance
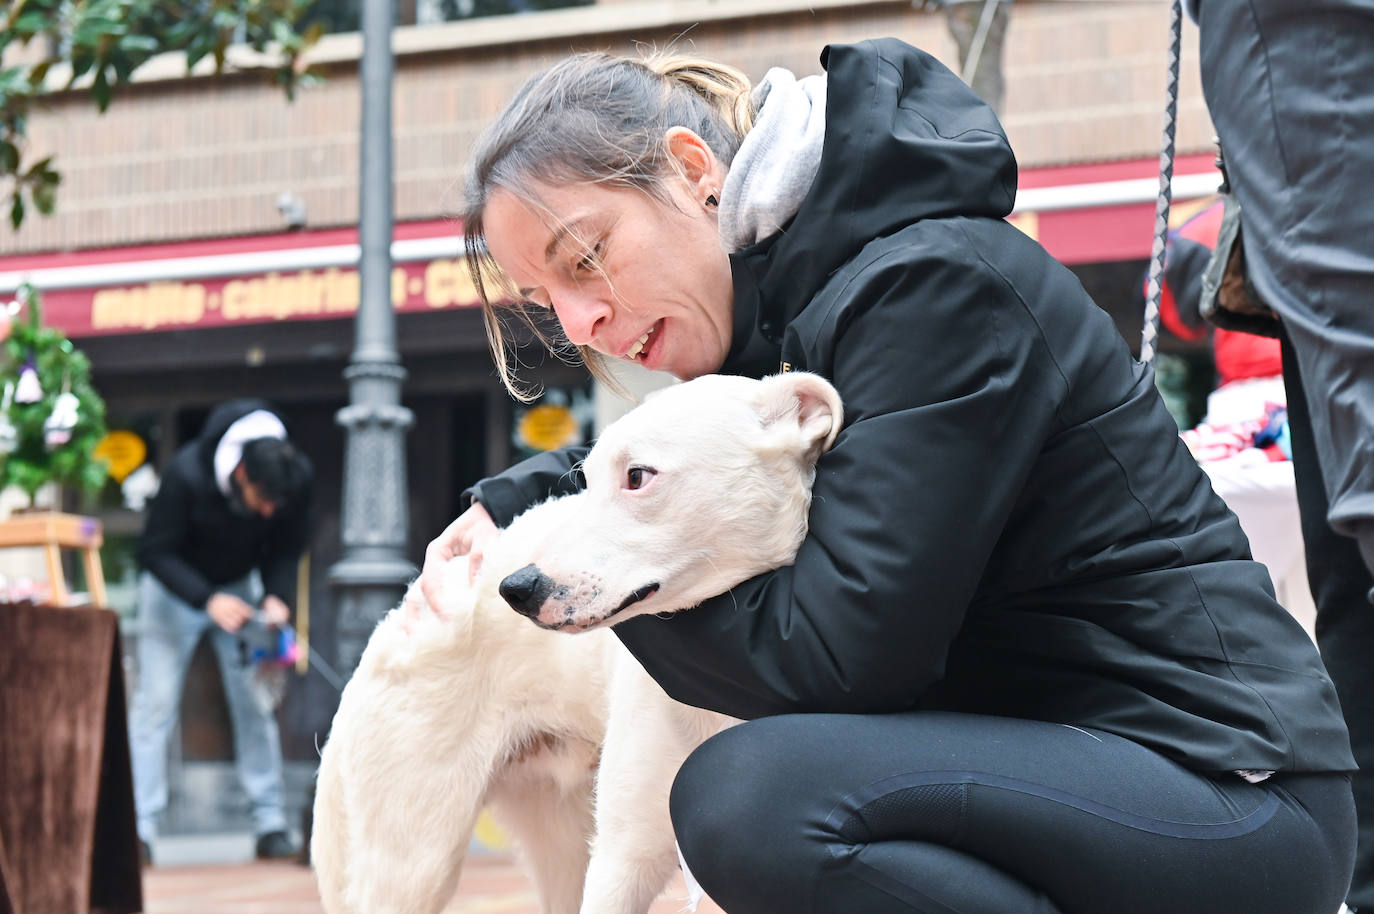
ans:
(492, 883)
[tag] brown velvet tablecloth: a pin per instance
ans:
(68, 841)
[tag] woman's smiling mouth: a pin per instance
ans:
(639, 346)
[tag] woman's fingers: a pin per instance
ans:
(477, 548)
(467, 535)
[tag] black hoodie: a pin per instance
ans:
(194, 542)
(1008, 523)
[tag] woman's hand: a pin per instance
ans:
(468, 536)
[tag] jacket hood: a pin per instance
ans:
(905, 139)
(218, 422)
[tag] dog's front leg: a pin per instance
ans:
(633, 854)
(551, 824)
(402, 778)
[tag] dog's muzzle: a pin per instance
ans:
(526, 590)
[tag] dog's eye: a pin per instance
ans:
(638, 477)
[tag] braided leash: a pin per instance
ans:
(1154, 287)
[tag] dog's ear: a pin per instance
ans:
(811, 401)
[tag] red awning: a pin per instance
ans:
(310, 275)
(1106, 212)
(1080, 213)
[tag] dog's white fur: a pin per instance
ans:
(473, 706)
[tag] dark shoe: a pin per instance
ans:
(145, 854)
(275, 845)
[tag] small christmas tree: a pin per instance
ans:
(51, 418)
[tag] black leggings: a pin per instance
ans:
(961, 814)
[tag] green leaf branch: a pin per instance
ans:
(102, 43)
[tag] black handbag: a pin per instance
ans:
(1229, 298)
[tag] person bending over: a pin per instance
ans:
(222, 536)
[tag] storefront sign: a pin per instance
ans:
(276, 296)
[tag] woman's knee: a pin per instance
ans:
(735, 809)
(713, 780)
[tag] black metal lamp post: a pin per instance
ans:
(373, 571)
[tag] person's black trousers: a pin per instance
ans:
(1290, 88)
(946, 813)
(1340, 585)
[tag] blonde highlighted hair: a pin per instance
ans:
(592, 118)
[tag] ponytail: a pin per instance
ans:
(724, 88)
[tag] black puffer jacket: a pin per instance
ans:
(194, 543)
(1008, 523)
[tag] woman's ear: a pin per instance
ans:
(697, 163)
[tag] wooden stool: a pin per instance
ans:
(51, 531)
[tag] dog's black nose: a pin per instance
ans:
(526, 590)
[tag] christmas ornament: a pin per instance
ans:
(58, 427)
(29, 389)
(9, 435)
(139, 486)
(8, 311)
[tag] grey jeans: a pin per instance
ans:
(169, 630)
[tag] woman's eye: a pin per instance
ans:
(590, 260)
(638, 477)
(536, 298)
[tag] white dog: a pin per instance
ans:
(704, 486)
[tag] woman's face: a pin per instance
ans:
(631, 277)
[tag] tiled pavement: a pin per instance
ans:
(491, 884)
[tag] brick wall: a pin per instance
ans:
(1086, 82)
(178, 158)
